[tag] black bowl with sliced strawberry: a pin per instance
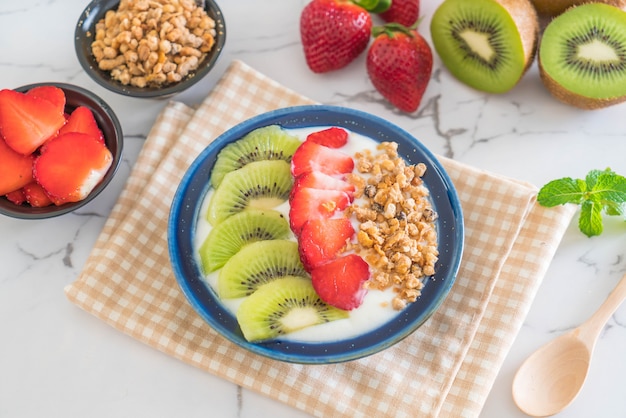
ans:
(262, 234)
(60, 146)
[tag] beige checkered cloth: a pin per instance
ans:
(446, 368)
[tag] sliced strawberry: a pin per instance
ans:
(27, 121)
(311, 203)
(319, 180)
(53, 94)
(16, 170)
(82, 120)
(340, 282)
(36, 196)
(17, 196)
(315, 157)
(321, 240)
(333, 137)
(71, 165)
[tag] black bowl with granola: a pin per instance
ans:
(149, 49)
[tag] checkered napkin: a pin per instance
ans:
(446, 368)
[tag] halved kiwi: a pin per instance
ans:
(486, 44)
(282, 306)
(258, 263)
(261, 184)
(227, 238)
(266, 143)
(582, 56)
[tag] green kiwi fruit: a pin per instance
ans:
(582, 56)
(258, 263)
(487, 44)
(552, 8)
(266, 143)
(260, 184)
(283, 306)
(227, 238)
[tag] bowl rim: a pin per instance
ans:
(28, 212)
(85, 26)
(220, 319)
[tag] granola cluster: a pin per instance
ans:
(397, 234)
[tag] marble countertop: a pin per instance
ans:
(55, 360)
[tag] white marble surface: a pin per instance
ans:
(57, 361)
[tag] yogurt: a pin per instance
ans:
(376, 308)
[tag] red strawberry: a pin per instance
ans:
(405, 12)
(17, 196)
(319, 180)
(310, 204)
(333, 137)
(36, 196)
(399, 64)
(340, 282)
(333, 33)
(53, 94)
(16, 170)
(315, 157)
(83, 120)
(27, 121)
(71, 165)
(321, 240)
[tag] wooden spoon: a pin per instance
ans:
(551, 378)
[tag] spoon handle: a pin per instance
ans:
(596, 323)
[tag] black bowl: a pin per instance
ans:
(85, 33)
(195, 184)
(112, 130)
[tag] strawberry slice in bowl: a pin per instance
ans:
(108, 124)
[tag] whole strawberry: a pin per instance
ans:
(405, 12)
(333, 33)
(399, 64)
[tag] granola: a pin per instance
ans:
(397, 234)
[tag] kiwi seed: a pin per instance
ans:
(283, 306)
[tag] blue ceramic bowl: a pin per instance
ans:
(194, 186)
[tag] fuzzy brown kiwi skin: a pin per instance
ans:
(525, 17)
(574, 99)
(551, 8)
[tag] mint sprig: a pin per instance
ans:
(602, 191)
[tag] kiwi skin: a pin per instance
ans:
(552, 8)
(569, 97)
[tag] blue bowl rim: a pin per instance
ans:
(202, 297)
(85, 31)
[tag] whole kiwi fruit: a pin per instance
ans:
(582, 56)
(487, 44)
(550, 8)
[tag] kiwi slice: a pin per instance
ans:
(582, 56)
(486, 44)
(227, 238)
(283, 306)
(266, 143)
(260, 184)
(258, 263)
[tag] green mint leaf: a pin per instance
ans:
(561, 191)
(590, 220)
(615, 209)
